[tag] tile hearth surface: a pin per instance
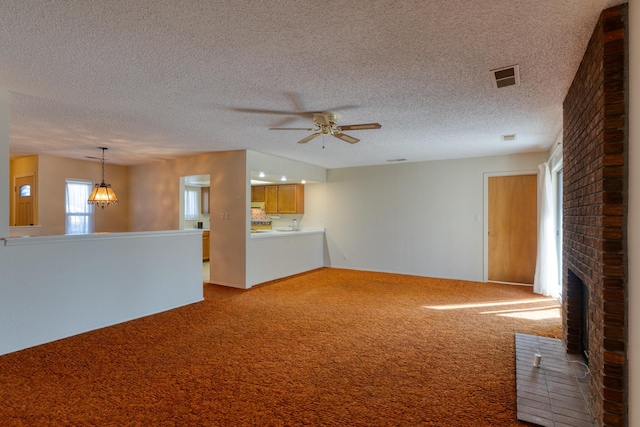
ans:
(556, 392)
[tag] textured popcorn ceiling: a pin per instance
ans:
(152, 79)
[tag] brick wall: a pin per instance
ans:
(594, 208)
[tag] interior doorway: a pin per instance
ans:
(511, 228)
(194, 213)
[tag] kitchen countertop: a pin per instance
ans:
(283, 232)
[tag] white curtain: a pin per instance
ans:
(545, 281)
(79, 213)
(190, 204)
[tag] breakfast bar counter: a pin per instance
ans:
(274, 254)
(285, 232)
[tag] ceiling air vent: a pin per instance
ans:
(507, 76)
(510, 137)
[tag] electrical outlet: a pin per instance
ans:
(345, 256)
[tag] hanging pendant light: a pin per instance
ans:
(102, 195)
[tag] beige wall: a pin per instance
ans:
(155, 187)
(52, 175)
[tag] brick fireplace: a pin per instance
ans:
(594, 216)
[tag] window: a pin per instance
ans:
(79, 213)
(190, 204)
(25, 190)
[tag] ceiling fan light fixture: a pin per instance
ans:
(326, 124)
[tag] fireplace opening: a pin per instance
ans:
(577, 316)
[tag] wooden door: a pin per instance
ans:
(512, 228)
(24, 200)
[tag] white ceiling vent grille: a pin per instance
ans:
(509, 137)
(507, 76)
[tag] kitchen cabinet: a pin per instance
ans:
(291, 199)
(271, 199)
(204, 200)
(205, 245)
(257, 193)
(280, 199)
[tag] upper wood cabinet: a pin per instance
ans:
(204, 200)
(257, 193)
(291, 199)
(271, 199)
(280, 199)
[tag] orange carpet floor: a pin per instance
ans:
(326, 348)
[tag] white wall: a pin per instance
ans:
(421, 218)
(315, 205)
(4, 163)
(58, 286)
(293, 170)
(633, 225)
(284, 255)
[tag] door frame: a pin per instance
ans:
(485, 226)
(14, 210)
(558, 209)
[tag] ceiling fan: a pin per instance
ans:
(325, 123)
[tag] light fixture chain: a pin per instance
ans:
(103, 164)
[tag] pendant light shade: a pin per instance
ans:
(103, 195)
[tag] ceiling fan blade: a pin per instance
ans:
(302, 114)
(261, 111)
(363, 126)
(309, 138)
(345, 137)
(307, 129)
